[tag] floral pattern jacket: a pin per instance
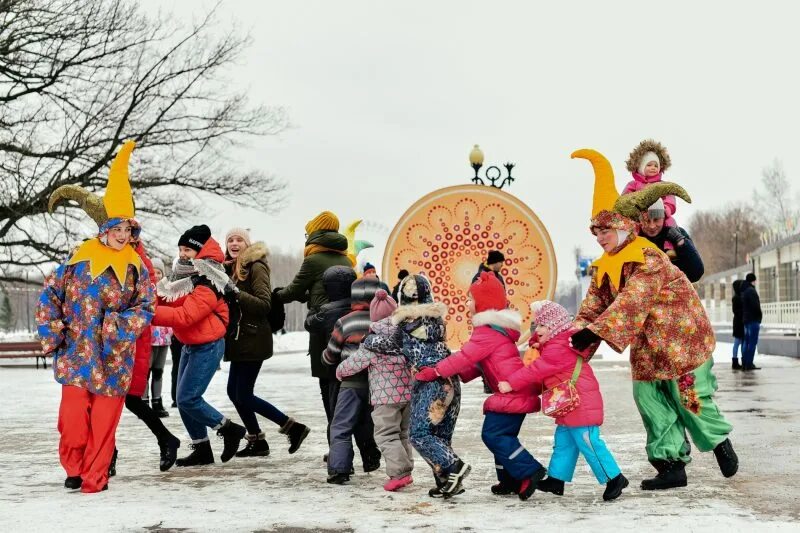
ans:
(90, 326)
(657, 312)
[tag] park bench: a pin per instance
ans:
(18, 350)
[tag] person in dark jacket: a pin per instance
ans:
(673, 241)
(751, 317)
(353, 413)
(325, 247)
(494, 262)
(738, 323)
(403, 274)
(250, 344)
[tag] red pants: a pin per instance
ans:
(87, 423)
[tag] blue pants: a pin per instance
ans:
(500, 434)
(241, 382)
(198, 365)
(433, 421)
(352, 416)
(586, 440)
(751, 330)
(737, 342)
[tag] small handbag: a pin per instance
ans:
(563, 398)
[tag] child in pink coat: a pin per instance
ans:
(492, 349)
(381, 352)
(579, 430)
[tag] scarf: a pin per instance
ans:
(180, 282)
(312, 249)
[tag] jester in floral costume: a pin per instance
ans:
(90, 313)
(637, 297)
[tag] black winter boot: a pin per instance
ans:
(338, 478)
(455, 478)
(735, 364)
(551, 485)
(169, 452)
(158, 406)
(296, 433)
(436, 492)
(504, 488)
(614, 488)
(727, 459)
(201, 455)
(671, 474)
(256, 446)
(73, 482)
(112, 467)
(371, 460)
(232, 434)
(529, 486)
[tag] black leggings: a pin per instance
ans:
(140, 408)
(175, 349)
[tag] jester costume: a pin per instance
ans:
(90, 313)
(637, 297)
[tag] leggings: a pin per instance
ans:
(140, 408)
(158, 360)
(241, 382)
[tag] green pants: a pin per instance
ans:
(669, 408)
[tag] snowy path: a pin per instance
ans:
(289, 493)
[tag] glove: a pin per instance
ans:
(675, 236)
(583, 339)
(428, 373)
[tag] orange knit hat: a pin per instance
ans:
(324, 221)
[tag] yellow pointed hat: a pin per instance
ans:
(118, 199)
(605, 190)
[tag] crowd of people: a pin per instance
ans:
(388, 381)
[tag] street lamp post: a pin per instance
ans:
(492, 173)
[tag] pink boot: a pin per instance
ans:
(395, 484)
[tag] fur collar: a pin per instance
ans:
(254, 252)
(506, 319)
(413, 311)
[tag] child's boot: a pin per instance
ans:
(455, 478)
(529, 486)
(398, 483)
(551, 485)
(614, 488)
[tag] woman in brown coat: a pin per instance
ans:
(249, 343)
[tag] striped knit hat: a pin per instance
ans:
(324, 221)
(551, 315)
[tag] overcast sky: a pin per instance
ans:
(387, 99)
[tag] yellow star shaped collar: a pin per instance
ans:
(100, 257)
(612, 264)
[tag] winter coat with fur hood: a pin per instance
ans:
(196, 312)
(382, 356)
(555, 364)
(493, 349)
(422, 330)
(253, 342)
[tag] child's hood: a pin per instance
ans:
(507, 319)
(415, 311)
(338, 281)
(211, 250)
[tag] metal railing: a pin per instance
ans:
(776, 315)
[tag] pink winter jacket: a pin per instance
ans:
(554, 365)
(389, 378)
(497, 355)
(639, 182)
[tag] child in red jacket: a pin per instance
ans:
(492, 349)
(191, 303)
(578, 431)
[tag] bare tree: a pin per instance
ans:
(774, 201)
(725, 236)
(77, 78)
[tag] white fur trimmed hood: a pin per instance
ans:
(506, 319)
(414, 311)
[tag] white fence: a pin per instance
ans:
(778, 315)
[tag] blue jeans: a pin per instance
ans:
(511, 460)
(737, 342)
(241, 382)
(569, 441)
(751, 330)
(198, 365)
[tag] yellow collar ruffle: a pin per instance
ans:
(100, 257)
(612, 264)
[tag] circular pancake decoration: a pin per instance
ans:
(447, 234)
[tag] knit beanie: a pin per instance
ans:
(363, 289)
(647, 158)
(551, 315)
(488, 293)
(158, 264)
(403, 274)
(495, 256)
(369, 269)
(195, 237)
(239, 232)
(382, 305)
(324, 221)
(656, 211)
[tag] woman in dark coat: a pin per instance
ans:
(738, 323)
(249, 343)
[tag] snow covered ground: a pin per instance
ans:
(289, 493)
